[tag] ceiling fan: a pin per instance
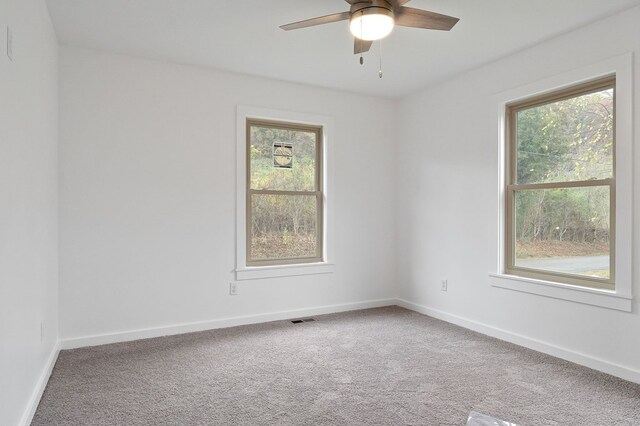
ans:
(371, 20)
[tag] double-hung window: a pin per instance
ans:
(284, 193)
(561, 186)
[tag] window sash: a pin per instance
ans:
(569, 93)
(287, 126)
(318, 193)
(566, 278)
(511, 187)
(317, 257)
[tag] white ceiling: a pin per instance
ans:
(243, 36)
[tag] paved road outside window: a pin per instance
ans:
(571, 265)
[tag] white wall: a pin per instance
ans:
(28, 204)
(147, 158)
(448, 200)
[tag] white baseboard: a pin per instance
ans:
(27, 417)
(518, 339)
(126, 336)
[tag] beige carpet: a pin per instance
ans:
(385, 366)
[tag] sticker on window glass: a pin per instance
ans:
(282, 155)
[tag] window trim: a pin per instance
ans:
(248, 272)
(318, 192)
(511, 186)
(622, 297)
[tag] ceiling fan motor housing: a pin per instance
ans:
(380, 7)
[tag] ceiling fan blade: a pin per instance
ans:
(417, 18)
(361, 46)
(316, 21)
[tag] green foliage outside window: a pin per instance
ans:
(568, 140)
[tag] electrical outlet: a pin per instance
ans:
(443, 284)
(41, 332)
(9, 43)
(233, 289)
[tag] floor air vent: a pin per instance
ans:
(300, 321)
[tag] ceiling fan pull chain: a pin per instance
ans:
(361, 31)
(380, 51)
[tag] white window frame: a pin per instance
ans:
(242, 271)
(621, 297)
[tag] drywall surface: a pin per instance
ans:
(28, 203)
(148, 195)
(448, 205)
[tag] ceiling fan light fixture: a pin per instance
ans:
(372, 23)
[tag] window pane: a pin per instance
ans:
(567, 140)
(282, 159)
(283, 226)
(563, 230)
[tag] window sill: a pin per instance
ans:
(261, 272)
(603, 298)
